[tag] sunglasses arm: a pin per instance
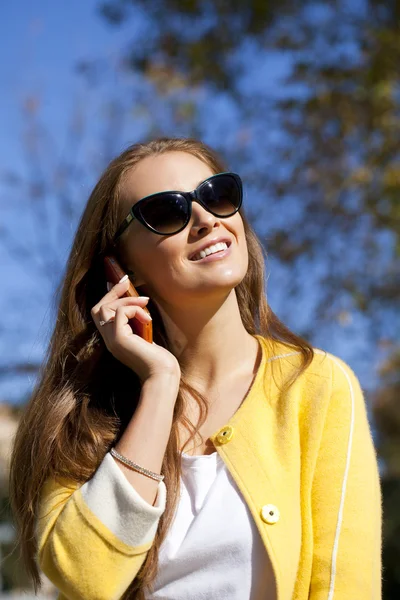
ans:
(125, 224)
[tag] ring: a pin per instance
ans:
(101, 323)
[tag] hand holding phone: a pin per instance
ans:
(125, 327)
(114, 274)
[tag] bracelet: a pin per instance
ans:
(135, 467)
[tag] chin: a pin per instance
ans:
(227, 283)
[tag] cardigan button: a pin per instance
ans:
(225, 435)
(270, 514)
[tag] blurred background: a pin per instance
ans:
(302, 100)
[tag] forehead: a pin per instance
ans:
(169, 171)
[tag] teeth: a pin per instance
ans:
(211, 250)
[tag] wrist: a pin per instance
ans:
(162, 385)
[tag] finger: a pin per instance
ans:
(125, 301)
(110, 285)
(124, 313)
(103, 325)
(107, 311)
(118, 289)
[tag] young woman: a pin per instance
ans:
(228, 459)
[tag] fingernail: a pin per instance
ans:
(145, 297)
(124, 278)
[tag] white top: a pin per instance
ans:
(213, 548)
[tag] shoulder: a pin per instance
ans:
(327, 396)
(327, 378)
(342, 378)
(322, 366)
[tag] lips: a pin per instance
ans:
(208, 244)
(215, 256)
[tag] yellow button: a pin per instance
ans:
(270, 514)
(225, 435)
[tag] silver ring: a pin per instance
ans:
(101, 323)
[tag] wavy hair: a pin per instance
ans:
(77, 409)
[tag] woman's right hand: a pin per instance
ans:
(145, 359)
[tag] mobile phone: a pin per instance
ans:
(114, 273)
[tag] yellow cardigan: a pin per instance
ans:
(306, 466)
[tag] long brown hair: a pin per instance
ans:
(78, 408)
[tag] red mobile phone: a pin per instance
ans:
(114, 273)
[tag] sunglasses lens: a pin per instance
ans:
(167, 213)
(222, 195)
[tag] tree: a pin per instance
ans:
(335, 122)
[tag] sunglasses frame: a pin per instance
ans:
(190, 197)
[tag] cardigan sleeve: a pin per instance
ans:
(93, 539)
(346, 498)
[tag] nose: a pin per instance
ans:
(201, 219)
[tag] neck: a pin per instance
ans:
(210, 342)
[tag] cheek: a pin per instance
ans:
(238, 230)
(245, 253)
(159, 266)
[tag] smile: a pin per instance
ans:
(216, 252)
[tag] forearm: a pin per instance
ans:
(113, 517)
(93, 541)
(146, 437)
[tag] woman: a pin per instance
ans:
(271, 485)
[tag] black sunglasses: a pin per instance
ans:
(167, 213)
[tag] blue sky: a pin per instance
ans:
(40, 44)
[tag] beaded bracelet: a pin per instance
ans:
(135, 467)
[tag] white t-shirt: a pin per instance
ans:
(213, 550)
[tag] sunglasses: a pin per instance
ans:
(167, 213)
